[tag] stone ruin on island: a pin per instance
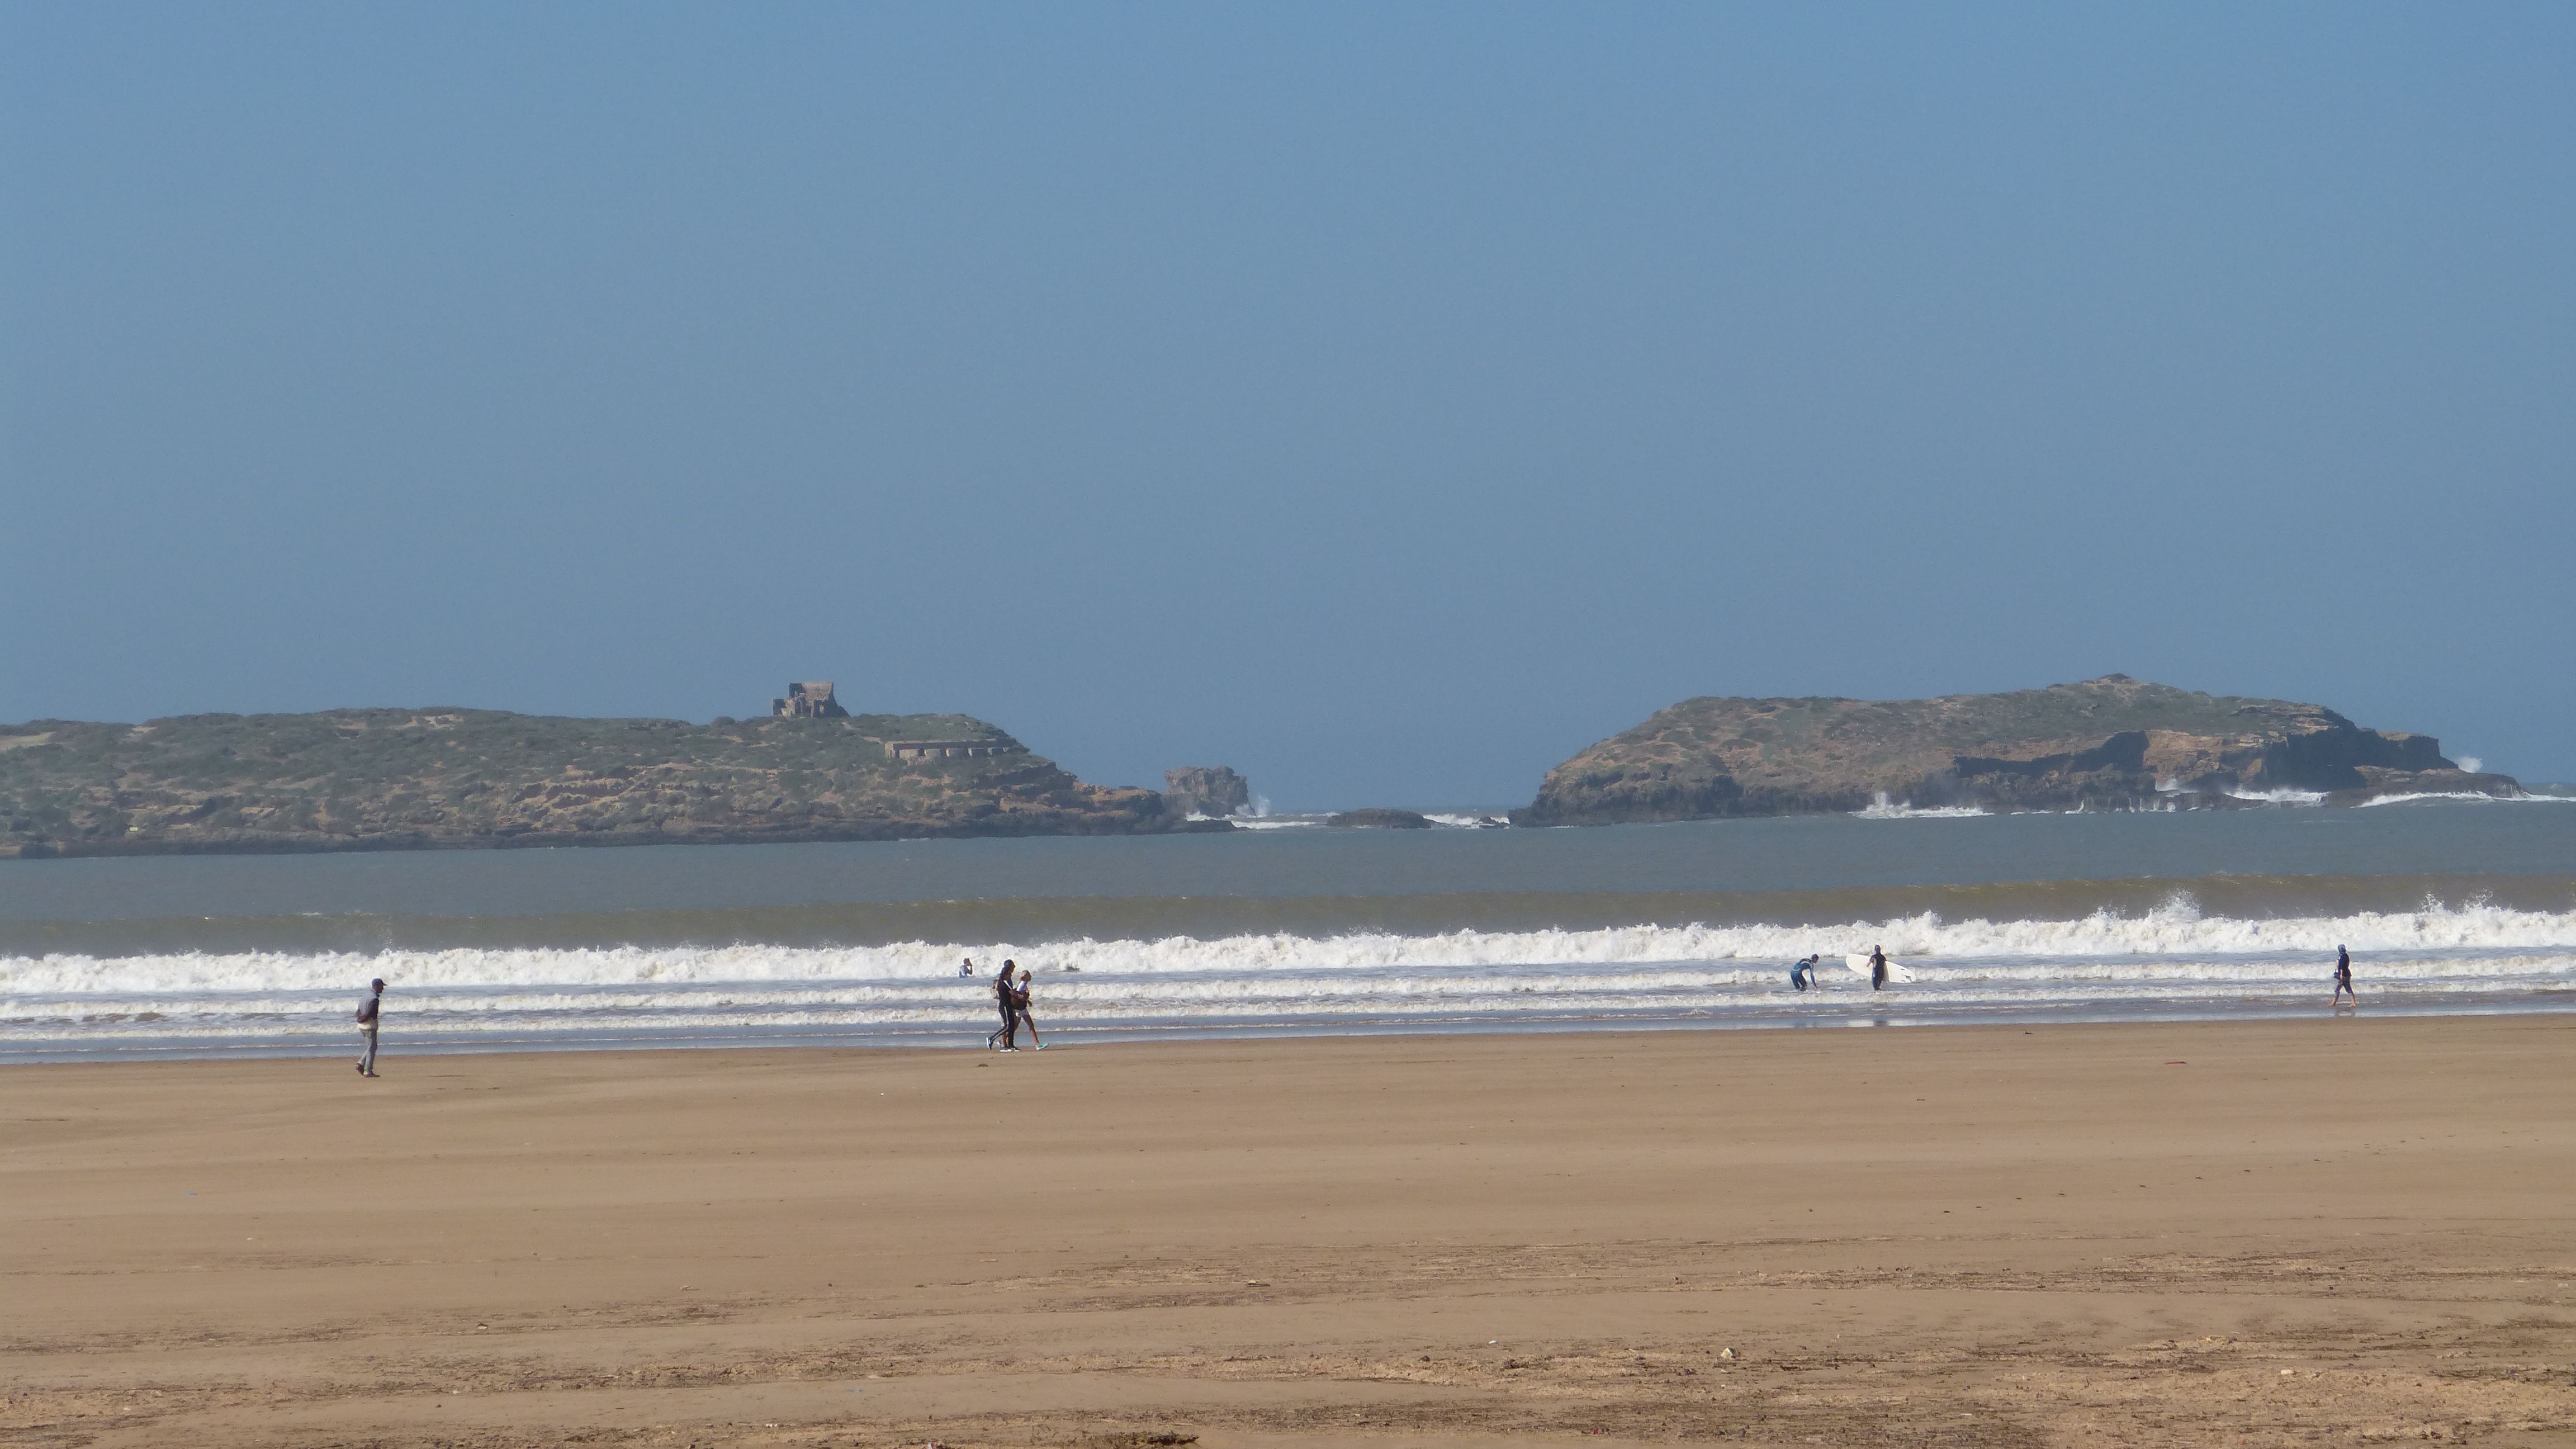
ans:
(809, 700)
(812, 699)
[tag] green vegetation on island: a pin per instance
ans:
(378, 779)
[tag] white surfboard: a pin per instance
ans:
(1895, 971)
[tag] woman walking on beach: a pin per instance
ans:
(2343, 978)
(1020, 1005)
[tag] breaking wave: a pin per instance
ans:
(2172, 957)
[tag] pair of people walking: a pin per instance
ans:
(1011, 994)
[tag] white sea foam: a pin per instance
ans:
(1881, 807)
(2177, 927)
(2477, 795)
(2173, 956)
(2279, 797)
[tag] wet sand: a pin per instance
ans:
(2341, 1229)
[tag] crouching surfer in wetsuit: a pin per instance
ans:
(1802, 974)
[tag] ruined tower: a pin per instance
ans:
(809, 700)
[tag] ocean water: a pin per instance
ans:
(2446, 905)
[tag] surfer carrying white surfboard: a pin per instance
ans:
(1882, 970)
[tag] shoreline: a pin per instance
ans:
(890, 832)
(2143, 1233)
(1883, 1016)
(866, 834)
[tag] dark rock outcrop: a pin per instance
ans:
(397, 779)
(2108, 743)
(1379, 820)
(1206, 790)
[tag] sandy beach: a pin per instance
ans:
(2343, 1229)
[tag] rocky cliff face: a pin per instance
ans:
(2108, 743)
(390, 779)
(1206, 790)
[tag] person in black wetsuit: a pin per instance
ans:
(1877, 969)
(1006, 1035)
(2343, 978)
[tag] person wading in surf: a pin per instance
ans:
(1802, 974)
(1877, 969)
(2343, 978)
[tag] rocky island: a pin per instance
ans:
(2113, 743)
(396, 779)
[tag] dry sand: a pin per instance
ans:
(2267, 1233)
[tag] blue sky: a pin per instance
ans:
(1387, 401)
